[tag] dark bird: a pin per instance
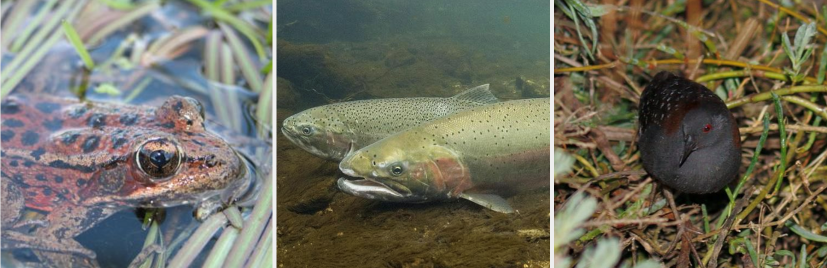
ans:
(687, 137)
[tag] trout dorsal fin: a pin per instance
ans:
(479, 94)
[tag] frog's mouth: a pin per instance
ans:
(379, 189)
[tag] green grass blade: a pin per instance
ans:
(265, 106)
(222, 15)
(244, 61)
(127, 19)
(73, 37)
(198, 240)
(261, 215)
(238, 7)
(222, 247)
(20, 39)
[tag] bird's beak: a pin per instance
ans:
(689, 146)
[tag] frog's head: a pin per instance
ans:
(176, 162)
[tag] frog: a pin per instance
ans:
(79, 162)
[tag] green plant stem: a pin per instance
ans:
(80, 48)
(779, 111)
(820, 111)
(781, 92)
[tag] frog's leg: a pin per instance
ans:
(64, 224)
(18, 240)
(54, 259)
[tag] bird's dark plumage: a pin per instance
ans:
(687, 137)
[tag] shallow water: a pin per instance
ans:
(119, 238)
(349, 50)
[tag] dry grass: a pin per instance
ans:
(738, 49)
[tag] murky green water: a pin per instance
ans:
(332, 51)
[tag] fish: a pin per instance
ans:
(476, 154)
(335, 130)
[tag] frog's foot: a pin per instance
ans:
(55, 259)
(18, 240)
(145, 254)
(30, 223)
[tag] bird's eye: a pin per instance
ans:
(707, 128)
(307, 130)
(397, 170)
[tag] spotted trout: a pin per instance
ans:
(333, 131)
(475, 154)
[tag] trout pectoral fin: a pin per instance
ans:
(490, 201)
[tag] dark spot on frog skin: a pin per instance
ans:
(69, 138)
(91, 144)
(13, 163)
(64, 165)
(28, 164)
(19, 179)
(196, 141)
(169, 125)
(59, 179)
(6, 135)
(78, 112)
(40, 177)
(37, 153)
(80, 182)
(97, 120)
(47, 107)
(54, 124)
(210, 160)
(117, 142)
(128, 119)
(9, 107)
(13, 123)
(47, 191)
(30, 138)
(178, 106)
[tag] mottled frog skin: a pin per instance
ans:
(80, 162)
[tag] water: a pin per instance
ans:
(333, 51)
(229, 106)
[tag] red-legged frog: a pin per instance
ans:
(80, 162)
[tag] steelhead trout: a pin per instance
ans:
(333, 131)
(473, 154)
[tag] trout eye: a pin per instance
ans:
(397, 170)
(307, 130)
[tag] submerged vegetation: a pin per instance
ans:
(765, 59)
(136, 51)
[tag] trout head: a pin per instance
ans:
(405, 169)
(319, 132)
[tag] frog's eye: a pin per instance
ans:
(306, 130)
(158, 158)
(397, 170)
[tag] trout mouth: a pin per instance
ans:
(381, 189)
